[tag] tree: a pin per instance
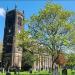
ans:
(51, 27)
(30, 48)
(70, 57)
(25, 43)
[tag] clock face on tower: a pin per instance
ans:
(19, 24)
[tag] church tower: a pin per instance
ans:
(12, 54)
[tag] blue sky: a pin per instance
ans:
(29, 7)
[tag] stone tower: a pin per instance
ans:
(12, 54)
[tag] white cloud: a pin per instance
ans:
(2, 12)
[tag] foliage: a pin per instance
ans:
(52, 28)
(25, 43)
(29, 46)
(71, 59)
(28, 58)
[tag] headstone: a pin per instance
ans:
(50, 70)
(41, 69)
(8, 73)
(30, 70)
(64, 72)
(55, 72)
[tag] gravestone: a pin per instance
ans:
(64, 72)
(30, 70)
(55, 72)
(7, 73)
(50, 70)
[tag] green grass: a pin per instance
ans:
(27, 73)
(70, 72)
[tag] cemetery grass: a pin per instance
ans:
(69, 72)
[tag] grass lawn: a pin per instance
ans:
(69, 72)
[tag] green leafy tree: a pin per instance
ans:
(51, 27)
(70, 59)
(30, 47)
(25, 43)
